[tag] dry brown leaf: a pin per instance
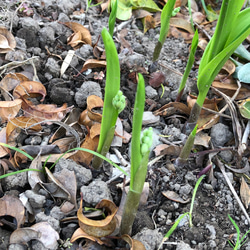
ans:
(79, 233)
(11, 80)
(181, 22)
(202, 139)
(198, 17)
(156, 79)
(55, 187)
(43, 112)
(93, 63)
(19, 123)
(229, 66)
(244, 192)
(141, 13)
(206, 119)
(12, 206)
(134, 244)
(3, 150)
(89, 143)
(89, 117)
(80, 36)
(31, 89)
(148, 23)
(7, 40)
(66, 143)
(173, 108)
(9, 109)
(171, 195)
(99, 228)
(230, 88)
(164, 149)
(180, 34)
(68, 180)
(24, 235)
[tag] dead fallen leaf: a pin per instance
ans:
(7, 40)
(164, 149)
(230, 88)
(148, 23)
(171, 195)
(93, 63)
(80, 36)
(244, 192)
(156, 79)
(43, 112)
(181, 22)
(9, 109)
(202, 139)
(12, 206)
(99, 228)
(173, 108)
(27, 89)
(67, 61)
(134, 244)
(19, 123)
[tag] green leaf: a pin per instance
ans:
(243, 73)
(136, 156)
(112, 17)
(245, 109)
(124, 9)
(242, 52)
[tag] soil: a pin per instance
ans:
(42, 35)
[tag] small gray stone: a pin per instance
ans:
(67, 6)
(88, 88)
(212, 244)
(95, 192)
(63, 18)
(29, 23)
(16, 246)
(47, 35)
(83, 175)
(186, 189)
(227, 156)
(61, 95)
(151, 239)
(52, 221)
(220, 134)
(190, 177)
(35, 200)
(85, 51)
(16, 55)
(151, 92)
(149, 118)
(14, 181)
(135, 59)
(208, 186)
(181, 245)
(212, 231)
(56, 213)
(52, 67)
(33, 140)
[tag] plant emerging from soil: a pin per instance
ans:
(232, 28)
(112, 16)
(114, 100)
(140, 148)
(165, 17)
(239, 242)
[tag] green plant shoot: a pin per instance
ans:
(114, 101)
(182, 159)
(165, 18)
(239, 242)
(112, 16)
(232, 28)
(189, 65)
(90, 5)
(140, 148)
(188, 214)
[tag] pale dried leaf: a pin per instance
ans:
(244, 192)
(67, 61)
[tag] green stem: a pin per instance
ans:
(130, 210)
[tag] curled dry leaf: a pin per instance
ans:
(244, 192)
(93, 63)
(156, 79)
(164, 149)
(148, 23)
(202, 139)
(7, 40)
(91, 142)
(10, 81)
(12, 206)
(88, 117)
(55, 187)
(173, 108)
(181, 22)
(31, 89)
(79, 233)
(41, 231)
(80, 36)
(230, 88)
(171, 195)
(34, 150)
(9, 109)
(99, 228)
(21, 122)
(134, 244)
(43, 112)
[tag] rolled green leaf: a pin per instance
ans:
(112, 16)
